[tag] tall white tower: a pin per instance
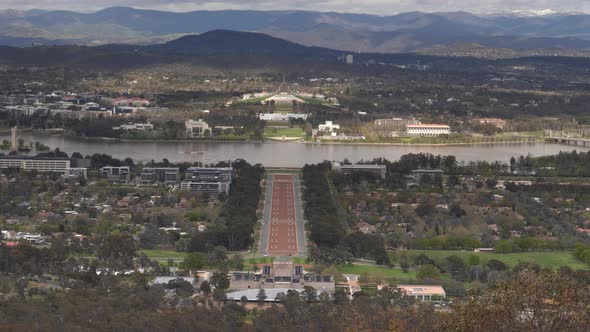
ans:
(349, 59)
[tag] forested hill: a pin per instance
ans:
(235, 42)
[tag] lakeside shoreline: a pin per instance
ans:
(60, 132)
(428, 144)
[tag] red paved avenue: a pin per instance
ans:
(283, 228)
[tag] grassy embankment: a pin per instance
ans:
(287, 133)
(528, 137)
(551, 260)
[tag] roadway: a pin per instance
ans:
(282, 231)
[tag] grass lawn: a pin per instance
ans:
(284, 132)
(255, 101)
(164, 255)
(543, 259)
(387, 272)
(371, 291)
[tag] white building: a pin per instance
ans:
(329, 127)
(196, 128)
(377, 170)
(349, 59)
(423, 292)
(91, 107)
(281, 117)
(40, 164)
(135, 126)
(395, 123)
(79, 172)
(283, 98)
(427, 130)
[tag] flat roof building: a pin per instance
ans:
(121, 174)
(195, 129)
(423, 292)
(377, 170)
(155, 175)
(77, 172)
(40, 164)
(204, 179)
(427, 130)
(281, 117)
(135, 127)
(282, 273)
(496, 122)
(395, 123)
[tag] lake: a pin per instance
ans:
(284, 154)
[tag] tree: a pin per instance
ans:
(530, 301)
(193, 261)
(219, 279)
(261, 296)
(453, 181)
(243, 300)
(425, 209)
(219, 295)
(456, 210)
(427, 272)
(340, 296)
(309, 294)
(151, 236)
(237, 262)
(183, 288)
(116, 251)
(217, 256)
(405, 265)
(205, 288)
(456, 268)
(473, 260)
(496, 265)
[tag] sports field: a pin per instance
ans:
(551, 260)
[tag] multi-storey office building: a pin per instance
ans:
(40, 164)
(213, 180)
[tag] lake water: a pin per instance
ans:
(288, 154)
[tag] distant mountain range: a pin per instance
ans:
(405, 32)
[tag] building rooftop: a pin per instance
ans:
(251, 294)
(427, 126)
(16, 157)
(413, 290)
(211, 169)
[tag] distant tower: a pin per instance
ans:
(13, 144)
(349, 59)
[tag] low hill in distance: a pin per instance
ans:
(236, 42)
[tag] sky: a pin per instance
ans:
(380, 7)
